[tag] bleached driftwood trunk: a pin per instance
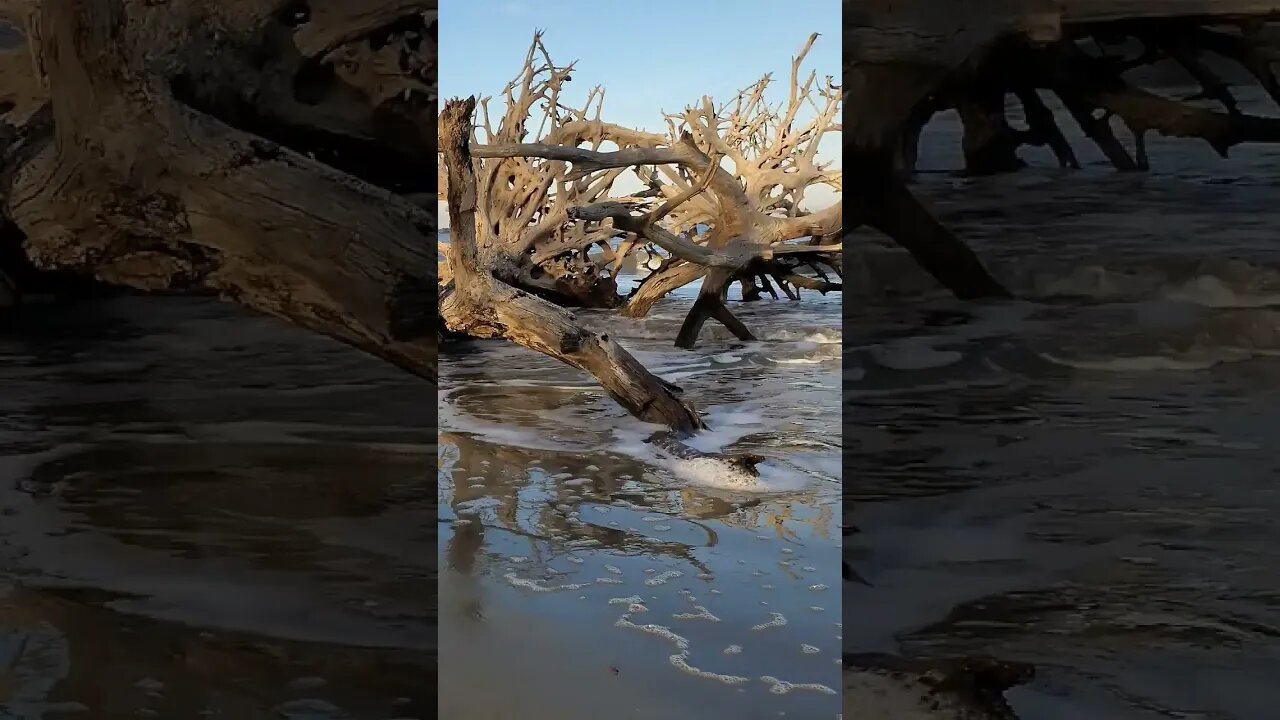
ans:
(909, 59)
(524, 217)
(267, 150)
(479, 303)
(742, 242)
(740, 171)
(906, 60)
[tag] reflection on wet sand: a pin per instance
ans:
(1081, 481)
(63, 652)
(207, 514)
(604, 571)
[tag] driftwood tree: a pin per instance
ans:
(541, 226)
(720, 195)
(481, 301)
(909, 59)
(904, 61)
(276, 152)
(1086, 69)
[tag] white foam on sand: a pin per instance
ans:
(1212, 291)
(1234, 284)
(913, 354)
(778, 621)
(662, 578)
(702, 614)
(827, 336)
(662, 631)
(782, 687)
(1152, 363)
(681, 661)
(726, 426)
(803, 361)
(537, 586)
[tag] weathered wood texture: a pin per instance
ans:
(481, 304)
(911, 58)
(908, 59)
(238, 146)
(531, 195)
(724, 199)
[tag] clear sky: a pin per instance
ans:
(652, 56)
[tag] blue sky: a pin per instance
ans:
(653, 56)
(650, 56)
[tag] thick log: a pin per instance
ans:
(658, 285)
(152, 168)
(882, 200)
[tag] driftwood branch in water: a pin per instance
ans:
(482, 305)
(909, 59)
(234, 146)
(725, 188)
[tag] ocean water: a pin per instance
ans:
(209, 514)
(586, 574)
(1084, 479)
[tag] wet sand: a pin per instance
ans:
(1083, 480)
(586, 575)
(209, 514)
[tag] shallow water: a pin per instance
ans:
(563, 535)
(205, 513)
(1085, 480)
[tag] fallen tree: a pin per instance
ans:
(905, 61)
(911, 60)
(480, 303)
(1087, 70)
(722, 198)
(275, 152)
(538, 227)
